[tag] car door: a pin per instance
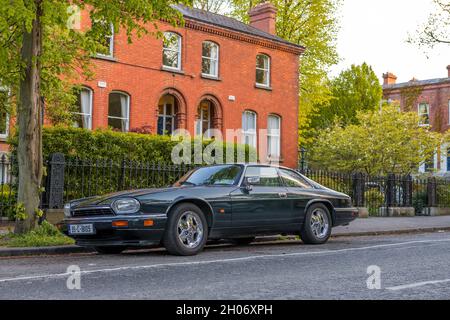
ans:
(264, 204)
(299, 193)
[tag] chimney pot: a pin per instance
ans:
(263, 17)
(389, 78)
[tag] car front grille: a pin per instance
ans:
(83, 212)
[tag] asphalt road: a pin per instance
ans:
(411, 267)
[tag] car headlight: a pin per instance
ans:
(67, 213)
(123, 206)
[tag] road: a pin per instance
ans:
(414, 266)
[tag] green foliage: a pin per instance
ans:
(383, 142)
(374, 199)
(44, 235)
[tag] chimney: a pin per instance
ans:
(448, 71)
(389, 78)
(263, 17)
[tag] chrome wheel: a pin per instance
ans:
(190, 229)
(319, 223)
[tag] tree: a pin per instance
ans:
(215, 6)
(314, 25)
(390, 141)
(39, 53)
(437, 29)
(355, 89)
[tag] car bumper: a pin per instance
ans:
(135, 234)
(344, 216)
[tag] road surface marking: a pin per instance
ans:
(417, 284)
(187, 263)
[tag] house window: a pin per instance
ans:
(448, 160)
(83, 115)
(203, 122)
(167, 109)
(172, 51)
(448, 111)
(118, 111)
(424, 114)
(262, 70)
(107, 43)
(273, 136)
(249, 128)
(210, 59)
(4, 117)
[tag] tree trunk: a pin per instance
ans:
(29, 150)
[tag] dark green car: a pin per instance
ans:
(232, 201)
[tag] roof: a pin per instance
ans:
(228, 23)
(416, 83)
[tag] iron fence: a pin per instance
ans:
(8, 188)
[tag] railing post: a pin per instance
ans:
(121, 175)
(358, 189)
(55, 181)
(390, 190)
(407, 191)
(431, 192)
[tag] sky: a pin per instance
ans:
(375, 31)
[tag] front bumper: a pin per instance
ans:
(135, 234)
(344, 216)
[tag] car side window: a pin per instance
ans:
(292, 179)
(268, 176)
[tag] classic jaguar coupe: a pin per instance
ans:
(231, 201)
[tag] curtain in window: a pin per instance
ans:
(124, 111)
(86, 108)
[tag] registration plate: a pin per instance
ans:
(81, 229)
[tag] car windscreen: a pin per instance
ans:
(215, 175)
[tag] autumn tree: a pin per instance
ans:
(38, 54)
(390, 141)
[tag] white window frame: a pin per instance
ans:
(165, 116)
(264, 85)
(215, 60)
(178, 51)
(5, 135)
(89, 115)
(111, 45)
(127, 122)
(200, 120)
(251, 133)
(422, 114)
(274, 134)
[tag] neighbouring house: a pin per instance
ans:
(431, 100)
(214, 72)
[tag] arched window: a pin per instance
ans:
(273, 136)
(249, 128)
(210, 59)
(203, 122)
(83, 114)
(167, 110)
(172, 51)
(119, 111)
(262, 70)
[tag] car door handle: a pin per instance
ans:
(282, 194)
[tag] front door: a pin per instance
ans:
(265, 206)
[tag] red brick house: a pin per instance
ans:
(215, 72)
(431, 100)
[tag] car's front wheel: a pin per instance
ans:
(186, 230)
(317, 226)
(109, 250)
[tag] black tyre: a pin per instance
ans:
(317, 226)
(243, 241)
(109, 250)
(186, 230)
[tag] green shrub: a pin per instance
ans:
(374, 199)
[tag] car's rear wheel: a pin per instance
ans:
(243, 241)
(186, 230)
(109, 250)
(317, 226)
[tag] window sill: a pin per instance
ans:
(208, 77)
(261, 86)
(3, 138)
(172, 70)
(106, 58)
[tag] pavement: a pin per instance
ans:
(405, 266)
(359, 227)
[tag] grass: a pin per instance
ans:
(44, 235)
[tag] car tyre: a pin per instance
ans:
(243, 241)
(109, 250)
(317, 226)
(186, 230)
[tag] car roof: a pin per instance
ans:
(246, 164)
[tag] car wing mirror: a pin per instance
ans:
(250, 181)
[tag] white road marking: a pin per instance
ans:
(187, 263)
(417, 284)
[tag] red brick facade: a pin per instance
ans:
(137, 70)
